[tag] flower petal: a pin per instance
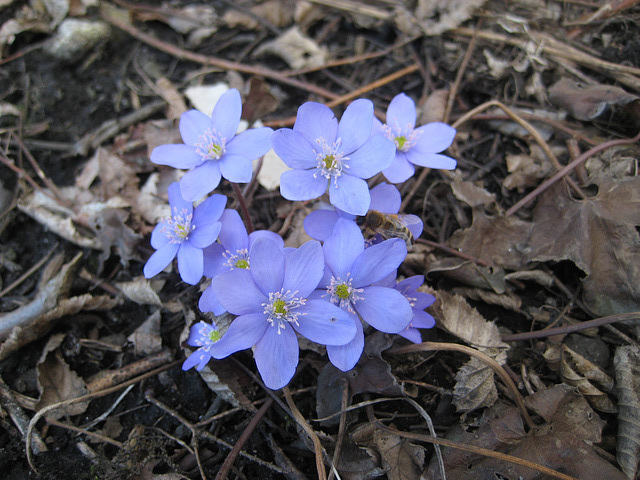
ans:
(226, 114)
(414, 224)
(325, 323)
(385, 309)
(319, 224)
(214, 260)
(371, 158)
(350, 194)
(201, 180)
(302, 185)
(422, 320)
(158, 236)
(160, 259)
(346, 356)
(236, 168)
(276, 356)
(303, 269)
(273, 236)
(267, 265)
(204, 235)
(200, 358)
(355, 125)
(294, 149)
(385, 198)
(377, 261)
(199, 334)
(190, 263)
(177, 202)
(410, 284)
(237, 292)
(431, 160)
(434, 137)
(209, 303)
(176, 155)
(209, 211)
(412, 334)
(233, 235)
(193, 124)
(316, 120)
(244, 332)
(401, 112)
(343, 247)
(252, 143)
(400, 170)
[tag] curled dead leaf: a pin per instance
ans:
(627, 367)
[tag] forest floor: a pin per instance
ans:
(531, 245)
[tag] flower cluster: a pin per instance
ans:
(327, 292)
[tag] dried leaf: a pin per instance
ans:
(298, 50)
(277, 12)
(140, 291)
(468, 273)
(259, 101)
(146, 338)
(475, 387)
(588, 102)
(499, 240)
(464, 321)
(472, 194)
(565, 444)
(577, 371)
(401, 459)
(599, 236)
(438, 16)
(527, 170)
(627, 368)
(433, 108)
(57, 382)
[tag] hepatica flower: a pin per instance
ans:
(230, 252)
(325, 154)
(351, 270)
(414, 146)
(418, 301)
(272, 302)
(212, 149)
(385, 198)
(205, 337)
(184, 234)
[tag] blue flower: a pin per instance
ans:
(385, 198)
(272, 302)
(327, 154)
(418, 300)
(205, 337)
(231, 251)
(185, 233)
(414, 146)
(212, 149)
(351, 270)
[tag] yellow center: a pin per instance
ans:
(242, 264)
(342, 291)
(279, 307)
(214, 336)
(400, 141)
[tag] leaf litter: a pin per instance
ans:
(565, 259)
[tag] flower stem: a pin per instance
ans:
(243, 207)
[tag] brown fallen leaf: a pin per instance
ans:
(475, 385)
(146, 338)
(590, 380)
(599, 235)
(401, 459)
(627, 367)
(564, 443)
(501, 241)
(587, 102)
(298, 50)
(57, 382)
